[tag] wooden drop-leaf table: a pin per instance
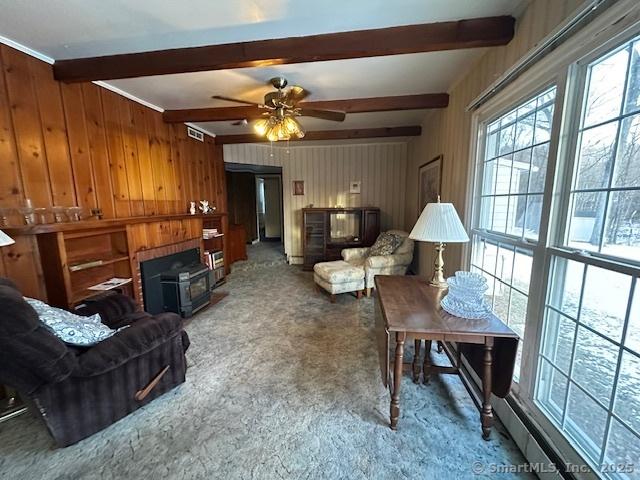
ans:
(408, 307)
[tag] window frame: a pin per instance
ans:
(483, 118)
(587, 261)
(577, 83)
(564, 67)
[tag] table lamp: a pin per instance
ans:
(439, 223)
(5, 239)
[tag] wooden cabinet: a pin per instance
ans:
(327, 231)
(371, 227)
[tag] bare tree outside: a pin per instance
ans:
(609, 157)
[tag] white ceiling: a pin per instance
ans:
(62, 29)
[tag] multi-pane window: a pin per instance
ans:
(588, 376)
(556, 233)
(605, 195)
(512, 175)
(514, 168)
(508, 272)
(589, 367)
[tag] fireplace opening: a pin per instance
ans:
(178, 283)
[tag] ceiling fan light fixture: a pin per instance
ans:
(261, 126)
(292, 126)
(272, 134)
(278, 128)
(282, 132)
(279, 121)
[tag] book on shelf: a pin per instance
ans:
(110, 284)
(214, 260)
(207, 260)
(208, 233)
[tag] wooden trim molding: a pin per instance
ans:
(360, 133)
(353, 105)
(428, 37)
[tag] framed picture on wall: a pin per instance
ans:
(430, 182)
(298, 187)
(354, 187)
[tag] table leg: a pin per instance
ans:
(487, 413)
(397, 379)
(426, 367)
(416, 360)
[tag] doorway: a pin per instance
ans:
(269, 207)
(255, 203)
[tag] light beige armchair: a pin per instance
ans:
(394, 264)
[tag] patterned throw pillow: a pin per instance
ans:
(72, 329)
(386, 244)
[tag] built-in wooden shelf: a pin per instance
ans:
(104, 249)
(99, 224)
(103, 263)
(116, 244)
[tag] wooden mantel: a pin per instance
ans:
(96, 224)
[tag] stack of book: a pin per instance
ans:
(215, 262)
(208, 233)
(214, 259)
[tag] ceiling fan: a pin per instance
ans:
(281, 109)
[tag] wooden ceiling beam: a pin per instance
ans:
(359, 133)
(354, 105)
(428, 37)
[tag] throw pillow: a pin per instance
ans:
(385, 244)
(72, 329)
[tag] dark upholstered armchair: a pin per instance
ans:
(79, 391)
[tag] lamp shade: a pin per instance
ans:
(439, 223)
(5, 239)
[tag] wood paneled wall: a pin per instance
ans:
(448, 131)
(327, 172)
(81, 144)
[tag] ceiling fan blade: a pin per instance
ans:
(229, 99)
(244, 121)
(332, 115)
(295, 94)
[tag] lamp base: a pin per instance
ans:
(438, 280)
(437, 284)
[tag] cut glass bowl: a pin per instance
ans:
(471, 280)
(465, 310)
(465, 297)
